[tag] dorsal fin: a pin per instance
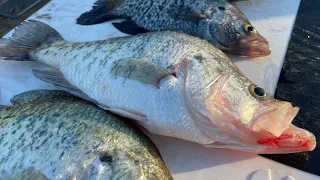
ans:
(33, 95)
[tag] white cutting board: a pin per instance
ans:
(274, 19)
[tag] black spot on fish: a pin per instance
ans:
(46, 52)
(2, 161)
(61, 156)
(199, 58)
(63, 139)
(1, 138)
(105, 157)
(13, 132)
(44, 142)
(23, 149)
(221, 8)
(66, 53)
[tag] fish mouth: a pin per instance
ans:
(257, 47)
(279, 135)
(292, 140)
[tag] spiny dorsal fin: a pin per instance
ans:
(33, 95)
(55, 77)
(139, 69)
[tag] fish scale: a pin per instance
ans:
(172, 84)
(217, 21)
(66, 137)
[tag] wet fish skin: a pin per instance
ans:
(170, 83)
(217, 21)
(53, 135)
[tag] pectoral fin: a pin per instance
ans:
(139, 69)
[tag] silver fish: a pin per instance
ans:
(171, 83)
(54, 135)
(217, 21)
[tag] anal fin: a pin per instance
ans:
(55, 77)
(129, 27)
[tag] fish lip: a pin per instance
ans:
(275, 120)
(293, 140)
(258, 47)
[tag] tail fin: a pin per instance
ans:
(27, 36)
(101, 12)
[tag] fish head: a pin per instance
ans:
(232, 32)
(249, 119)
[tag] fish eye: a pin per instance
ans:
(249, 28)
(257, 91)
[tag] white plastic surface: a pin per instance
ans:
(274, 19)
(263, 174)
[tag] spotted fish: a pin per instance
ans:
(217, 21)
(54, 135)
(170, 83)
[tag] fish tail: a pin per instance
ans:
(27, 36)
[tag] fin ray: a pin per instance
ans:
(55, 77)
(139, 69)
(101, 12)
(129, 27)
(27, 36)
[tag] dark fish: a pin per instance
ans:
(172, 84)
(53, 135)
(217, 21)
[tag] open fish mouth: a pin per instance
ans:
(279, 134)
(292, 140)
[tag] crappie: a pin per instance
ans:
(217, 21)
(171, 83)
(54, 135)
